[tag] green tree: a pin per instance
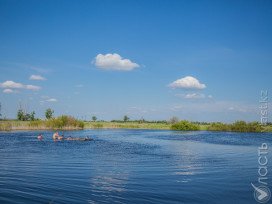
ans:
(27, 117)
(126, 118)
(20, 115)
(49, 113)
(32, 116)
(94, 118)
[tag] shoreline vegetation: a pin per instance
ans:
(70, 123)
(28, 121)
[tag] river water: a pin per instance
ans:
(131, 166)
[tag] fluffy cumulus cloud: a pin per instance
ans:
(8, 91)
(114, 62)
(37, 77)
(15, 85)
(187, 82)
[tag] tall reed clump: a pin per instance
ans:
(242, 126)
(185, 125)
(238, 126)
(218, 126)
(65, 122)
(6, 126)
(36, 124)
(97, 125)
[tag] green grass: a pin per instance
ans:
(59, 123)
(72, 125)
(127, 125)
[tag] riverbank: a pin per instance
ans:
(42, 125)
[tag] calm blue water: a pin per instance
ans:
(130, 166)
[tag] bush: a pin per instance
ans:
(64, 121)
(242, 126)
(238, 126)
(185, 125)
(219, 127)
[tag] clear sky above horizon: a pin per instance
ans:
(197, 60)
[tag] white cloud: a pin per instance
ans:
(187, 82)
(194, 96)
(114, 62)
(11, 84)
(15, 85)
(79, 85)
(32, 87)
(51, 100)
(37, 77)
(8, 91)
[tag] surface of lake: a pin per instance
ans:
(131, 166)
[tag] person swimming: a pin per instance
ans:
(56, 136)
(40, 137)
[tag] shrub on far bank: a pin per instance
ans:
(219, 127)
(185, 125)
(66, 122)
(238, 126)
(242, 126)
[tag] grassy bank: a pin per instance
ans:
(62, 123)
(59, 123)
(127, 125)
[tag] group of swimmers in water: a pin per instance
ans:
(57, 137)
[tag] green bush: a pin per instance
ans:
(185, 125)
(238, 126)
(64, 121)
(242, 126)
(219, 127)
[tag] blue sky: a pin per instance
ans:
(197, 60)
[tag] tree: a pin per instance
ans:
(94, 118)
(20, 115)
(32, 116)
(126, 118)
(27, 116)
(49, 113)
(174, 120)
